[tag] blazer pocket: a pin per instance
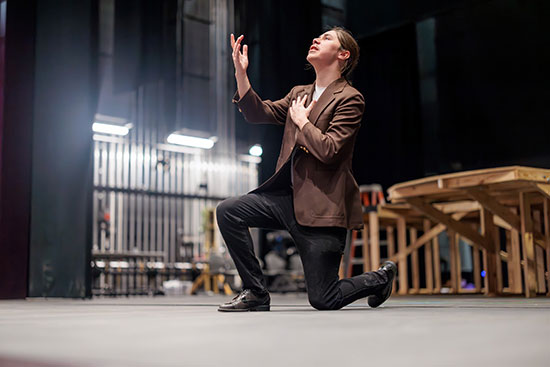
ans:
(313, 214)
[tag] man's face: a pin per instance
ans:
(324, 48)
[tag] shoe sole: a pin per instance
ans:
(262, 308)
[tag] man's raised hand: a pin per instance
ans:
(240, 59)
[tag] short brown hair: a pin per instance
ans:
(347, 43)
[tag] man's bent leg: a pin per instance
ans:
(235, 216)
(321, 252)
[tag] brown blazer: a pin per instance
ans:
(325, 192)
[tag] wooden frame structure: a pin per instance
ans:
(514, 198)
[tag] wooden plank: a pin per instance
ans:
(529, 265)
(484, 262)
(544, 189)
(501, 222)
(458, 206)
(436, 215)
(546, 216)
(450, 183)
(494, 206)
(541, 175)
(469, 180)
(499, 256)
(541, 276)
(516, 286)
(488, 231)
(390, 240)
(458, 263)
(402, 263)
(509, 262)
(476, 269)
(437, 265)
(453, 255)
(415, 266)
(417, 187)
(428, 259)
(539, 254)
(374, 233)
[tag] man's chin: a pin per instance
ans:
(311, 59)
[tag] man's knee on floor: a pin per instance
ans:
(322, 303)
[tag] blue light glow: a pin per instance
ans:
(483, 273)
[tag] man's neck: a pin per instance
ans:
(325, 77)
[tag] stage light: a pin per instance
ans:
(483, 273)
(99, 127)
(190, 141)
(256, 150)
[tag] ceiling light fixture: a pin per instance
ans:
(190, 141)
(99, 127)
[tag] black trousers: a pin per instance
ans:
(320, 249)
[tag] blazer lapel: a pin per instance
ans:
(325, 100)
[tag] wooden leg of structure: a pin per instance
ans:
(453, 255)
(374, 232)
(510, 262)
(215, 284)
(390, 239)
(496, 233)
(529, 265)
(541, 276)
(546, 216)
(415, 266)
(539, 255)
(367, 261)
(428, 264)
(458, 263)
(402, 263)
(477, 269)
(437, 265)
(492, 253)
(350, 254)
(516, 285)
(484, 262)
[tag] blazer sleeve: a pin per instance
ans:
(255, 110)
(341, 130)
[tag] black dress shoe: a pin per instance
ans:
(247, 301)
(377, 299)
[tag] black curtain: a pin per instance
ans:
(493, 79)
(389, 146)
(145, 48)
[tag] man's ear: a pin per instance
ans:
(344, 55)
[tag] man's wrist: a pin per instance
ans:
(303, 123)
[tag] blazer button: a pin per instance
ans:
(240, 110)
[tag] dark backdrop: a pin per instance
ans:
(493, 77)
(490, 85)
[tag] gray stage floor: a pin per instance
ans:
(188, 331)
